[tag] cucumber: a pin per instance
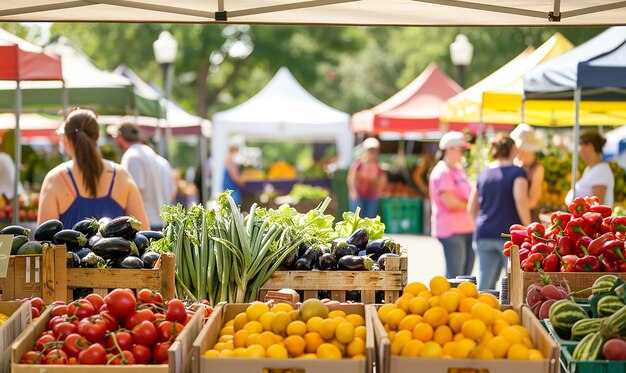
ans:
(603, 284)
(609, 304)
(30, 248)
(18, 241)
(564, 314)
(589, 348)
(584, 327)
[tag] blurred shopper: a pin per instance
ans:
(8, 172)
(449, 192)
(528, 144)
(597, 179)
(366, 180)
(87, 185)
(420, 178)
(232, 173)
(152, 173)
(499, 200)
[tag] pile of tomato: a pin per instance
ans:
(119, 329)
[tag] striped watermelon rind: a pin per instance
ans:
(564, 314)
(603, 284)
(584, 327)
(589, 348)
(609, 304)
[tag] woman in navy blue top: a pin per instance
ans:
(87, 185)
(499, 200)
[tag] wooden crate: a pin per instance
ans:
(20, 316)
(58, 280)
(23, 278)
(518, 280)
(392, 280)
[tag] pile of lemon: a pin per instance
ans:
(282, 332)
(445, 322)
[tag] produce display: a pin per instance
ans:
(282, 170)
(445, 322)
(119, 329)
(28, 205)
(585, 239)
(281, 332)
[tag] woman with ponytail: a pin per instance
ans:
(87, 185)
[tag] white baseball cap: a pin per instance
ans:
(371, 143)
(453, 139)
(526, 138)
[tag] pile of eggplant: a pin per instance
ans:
(91, 243)
(354, 253)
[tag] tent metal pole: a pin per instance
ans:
(18, 153)
(523, 109)
(204, 177)
(479, 141)
(65, 98)
(577, 96)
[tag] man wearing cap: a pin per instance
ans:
(366, 180)
(449, 191)
(151, 172)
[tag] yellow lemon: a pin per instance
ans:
(434, 300)
(401, 338)
(276, 352)
(240, 338)
(308, 356)
(418, 305)
(356, 347)
(395, 317)
(327, 329)
(314, 324)
(412, 348)
(255, 351)
(499, 325)
(229, 323)
(240, 352)
(425, 294)
(360, 332)
(481, 353)
(345, 332)
(466, 304)
(443, 335)
(356, 319)
(449, 348)
(296, 328)
(436, 316)
(450, 300)
(490, 299)
(266, 339)
(459, 293)
(517, 351)
(295, 345)
(227, 353)
(511, 317)
(251, 339)
(466, 345)
(473, 329)
(383, 312)
(341, 346)
(457, 320)
(423, 331)
(438, 285)
(211, 353)
(312, 342)
(255, 310)
(534, 354)
(498, 346)
(414, 288)
(337, 313)
(523, 331)
(409, 322)
(483, 312)
(511, 334)
(328, 351)
(295, 315)
(226, 338)
(282, 307)
(227, 330)
(266, 320)
(403, 302)
(219, 346)
(253, 327)
(280, 322)
(240, 320)
(469, 289)
(431, 349)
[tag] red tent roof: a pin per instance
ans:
(21, 60)
(415, 108)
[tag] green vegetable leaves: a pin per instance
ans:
(352, 221)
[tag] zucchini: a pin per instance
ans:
(609, 304)
(47, 230)
(589, 348)
(15, 230)
(18, 241)
(581, 328)
(123, 226)
(114, 247)
(73, 240)
(564, 314)
(88, 227)
(603, 284)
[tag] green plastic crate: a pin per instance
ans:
(566, 345)
(402, 215)
(599, 366)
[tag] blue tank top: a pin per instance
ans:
(229, 184)
(83, 207)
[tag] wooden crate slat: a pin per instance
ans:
(24, 277)
(112, 277)
(368, 296)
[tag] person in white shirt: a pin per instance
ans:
(8, 172)
(597, 179)
(151, 172)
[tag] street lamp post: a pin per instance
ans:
(165, 49)
(461, 51)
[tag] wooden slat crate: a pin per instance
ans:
(23, 278)
(391, 281)
(518, 280)
(58, 280)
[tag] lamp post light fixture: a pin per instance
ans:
(461, 52)
(165, 49)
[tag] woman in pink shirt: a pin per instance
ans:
(449, 191)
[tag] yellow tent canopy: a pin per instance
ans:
(498, 97)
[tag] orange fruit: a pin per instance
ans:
(498, 346)
(436, 316)
(443, 335)
(409, 322)
(466, 304)
(438, 285)
(517, 351)
(483, 312)
(431, 349)
(457, 320)
(473, 329)
(356, 347)
(423, 331)
(414, 288)
(412, 348)
(403, 302)
(295, 345)
(450, 300)
(312, 342)
(395, 317)
(419, 305)
(383, 312)
(490, 299)
(511, 317)
(469, 289)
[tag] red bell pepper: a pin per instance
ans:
(578, 207)
(506, 248)
(523, 254)
(595, 247)
(550, 263)
(581, 248)
(550, 233)
(559, 219)
(618, 223)
(532, 263)
(536, 229)
(608, 265)
(614, 250)
(568, 263)
(576, 226)
(594, 222)
(604, 210)
(606, 225)
(516, 227)
(565, 246)
(526, 245)
(519, 236)
(592, 200)
(588, 263)
(542, 248)
(620, 266)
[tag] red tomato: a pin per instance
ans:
(60, 310)
(150, 297)
(168, 331)
(72, 361)
(142, 354)
(110, 320)
(44, 342)
(74, 344)
(138, 316)
(145, 333)
(58, 303)
(125, 358)
(81, 308)
(63, 329)
(159, 352)
(93, 355)
(120, 303)
(159, 317)
(37, 303)
(33, 357)
(56, 356)
(96, 300)
(176, 311)
(93, 329)
(34, 312)
(124, 340)
(55, 320)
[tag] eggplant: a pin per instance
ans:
(128, 262)
(15, 230)
(382, 246)
(309, 260)
(342, 249)
(382, 258)
(141, 242)
(336, 243)
(73, 261)
(92, 260)
(359, 238)
(327, 261)
(114, 247)
(324, 248)
(17, 242)
(290, 259)
(93, 240)
(152, 235)
(123, 226)
(47, 230)
(355, 263)
(73, 240)
(150, 259)
(303, 248)
(88, 226)
(83, 252)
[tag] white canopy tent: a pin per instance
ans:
(282, 111)
(338, 12)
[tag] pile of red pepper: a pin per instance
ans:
(586, 239)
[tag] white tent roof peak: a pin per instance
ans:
(282, 100)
